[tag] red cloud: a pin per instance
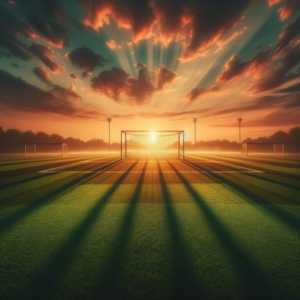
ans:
(41, 73)
(290, 8)
(111, 44)
(116, 82)
(44, 54)
(235, 67)
(195, 93)
(196, 24)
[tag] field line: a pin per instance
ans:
(152, 172)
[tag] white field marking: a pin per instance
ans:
(151, 172)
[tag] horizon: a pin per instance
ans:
(68, 66)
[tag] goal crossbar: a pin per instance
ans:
(271, 150)
(35, 144)
(152, 144)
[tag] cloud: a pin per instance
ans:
(165, 77)
(289, 9)
(20, 95)
(44, 54)
(274, 119)
(15, 65)
(286, 102)
(83, 57)
(66, 93)
(235, 67)
(111, 44)
(291, 89)
(115, 82)
(196, 92)
(197, 24)
(290, 33)
(281, 72)
(72, 75)
(41, 73)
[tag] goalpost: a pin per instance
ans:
(150, 144)
(34, 149)
(274, 149)
(210, 149)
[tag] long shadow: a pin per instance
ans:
(186, 286)
(108, 286)
(8, 185)
(250, 197)
(60, 179)
(25, 211)
(256, 285)
(46, 282)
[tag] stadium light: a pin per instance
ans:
(109, 121)
(195, 121)
(240, 121)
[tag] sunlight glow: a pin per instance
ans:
(153, 136)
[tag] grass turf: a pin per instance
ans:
(150, 235)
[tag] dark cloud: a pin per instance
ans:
(281, 71)
(112, 83)
(20, 95)
(83, 57)
(196, 92)
(164, 77)
(235, 66)
(66, 93)
(44, 54)
(116, 82)
(15, 65)
(291, 89)
(31, 19)
(57, 90)
(72, 75)
(42, 74)
(198, 24)
(290, 33)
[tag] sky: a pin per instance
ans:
(66, 66)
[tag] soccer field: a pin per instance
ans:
(97, 227)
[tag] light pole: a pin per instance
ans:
(240, 121)
(195, 121)
(109, 120)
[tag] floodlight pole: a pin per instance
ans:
(109, 121)
(195, 121)
(240, 121)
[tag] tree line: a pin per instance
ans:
(13, 140)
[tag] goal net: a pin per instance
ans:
(274, 149)
(147, 144)
(97, 149)
(46, 149)
(209, 149)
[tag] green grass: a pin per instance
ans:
(150, 235)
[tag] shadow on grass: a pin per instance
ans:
(26, 180)
(256, 285)
(46, 282)
(108, 286)
(185, 284)
(251, 197)
(28, 209)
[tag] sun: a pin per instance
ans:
(153, 136)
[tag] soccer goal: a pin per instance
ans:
(274, 149)
(97, 149)
(46, 149)
(213, 150)
(149, 144)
